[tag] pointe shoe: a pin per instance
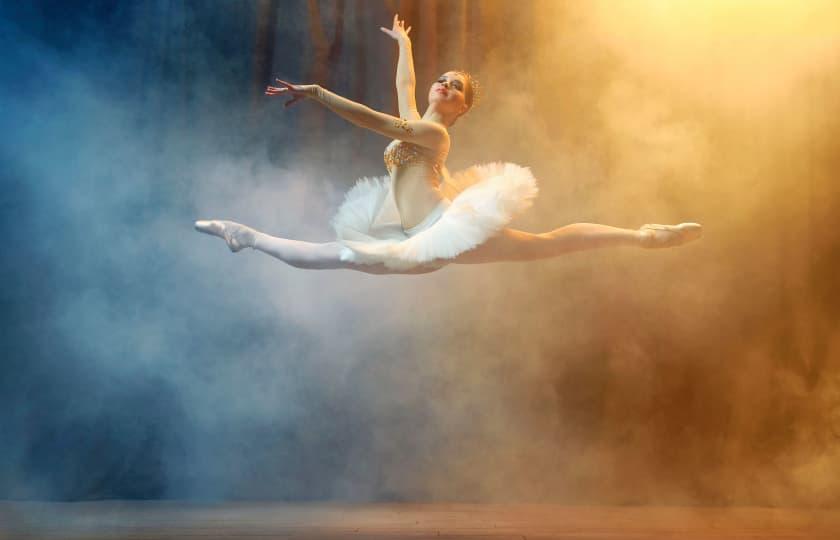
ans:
(236, 236)
(655, 235)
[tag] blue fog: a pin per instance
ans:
(141, 359)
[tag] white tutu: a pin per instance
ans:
(486, 198)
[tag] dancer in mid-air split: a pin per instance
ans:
(420, 218)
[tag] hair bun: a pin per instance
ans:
(474, 85)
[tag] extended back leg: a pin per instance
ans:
(321, 256)
(297, 253)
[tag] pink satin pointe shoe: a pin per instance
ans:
(236, 236)
(655, 235)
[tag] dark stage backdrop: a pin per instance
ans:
(141, 359)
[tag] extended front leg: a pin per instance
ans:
(515, 245)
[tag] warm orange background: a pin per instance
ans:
(144, 360)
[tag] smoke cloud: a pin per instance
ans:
(143, 360)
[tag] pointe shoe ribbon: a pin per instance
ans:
(236, 236)
(660, 236)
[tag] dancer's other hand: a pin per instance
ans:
(398, 32)
(297, 91)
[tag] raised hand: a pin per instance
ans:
(297, 91)
(398, 32)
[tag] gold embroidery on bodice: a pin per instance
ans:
(400, 153)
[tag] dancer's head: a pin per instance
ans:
(453, 94)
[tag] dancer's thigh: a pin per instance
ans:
(327, 255)
(507, 245)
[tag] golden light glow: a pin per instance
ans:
(737, 52)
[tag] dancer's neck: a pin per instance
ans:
(433, 115)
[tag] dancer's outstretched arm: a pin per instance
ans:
(421, 132)
(406, 81)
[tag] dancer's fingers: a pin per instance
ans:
(407, 31)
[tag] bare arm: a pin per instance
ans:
(405, 80)
(406, 84)
(405, 69)
(418, 131)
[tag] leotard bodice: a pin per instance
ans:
(400, 153)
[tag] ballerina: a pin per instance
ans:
(420, 218)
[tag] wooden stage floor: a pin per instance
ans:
(172, 519)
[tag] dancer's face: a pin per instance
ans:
(448, 93)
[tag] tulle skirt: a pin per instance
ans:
(485, 199)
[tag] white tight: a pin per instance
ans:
(507, 245)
